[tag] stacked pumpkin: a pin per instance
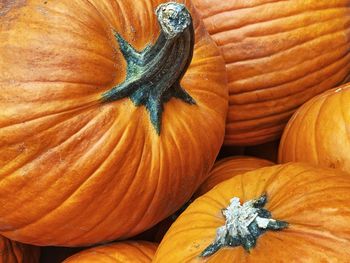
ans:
(113, 113)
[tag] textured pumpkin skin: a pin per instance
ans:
(75, 171)
(14, 252)
(319, 132)
(314, 201)
(278, 54)
(123, 252)
(230, 167)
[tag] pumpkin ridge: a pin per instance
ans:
(141, 251)
(305, 61)
(267, 22)
(34, 156)
(236, 93)
(287, 100)
(75, 18)
(301, 230)
(241, 125)
(269, 19)
(289, 182)
(47, 213)
(110, 213)
(342, 103)
(82, 108)
(243, 8)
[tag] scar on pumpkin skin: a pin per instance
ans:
(7, 5)
(154, 74)
(244, 224)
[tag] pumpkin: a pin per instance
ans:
(123, 252)
(14, 252)
(319, 131)
(278, 55)
(283, 213)
(230, 167)
(112, 113)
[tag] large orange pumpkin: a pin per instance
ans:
(282, 213)
(14, 252)
(278, 55)
(103, 132)
(123, 252)
(230, 167)
(319, 132)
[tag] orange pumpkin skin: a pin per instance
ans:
(319, 131)
(278, 54)
(314, 201)
(123, 252)
(14, 252)
(230, 167)
(75, 171)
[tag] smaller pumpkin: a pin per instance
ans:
(230, 167)
(319, 132)
(283, 213)
(122, 252)
(15, 252)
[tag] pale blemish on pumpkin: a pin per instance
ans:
(7, 5)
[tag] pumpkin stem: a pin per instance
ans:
(244, 224)
(154, 74)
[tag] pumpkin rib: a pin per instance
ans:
(311, 193)
(268, 131)
(268, 20)
(286, 29)
(154, 195)
(69, 47)
(211, 93)
(304, 231)
(279, 53)
(342, 103)
(86, 106)
(203, 61)
(316, 142)
(37, 155)
(324, 67)
(241, 8)
(124, 251)
(309, 241)
(116, 206)
(250, 105)
(279, 200)
(130, 184)
(288, 184)
(142, 252)
(284, 85)
(243, 124)
(52, 210)
(287, 101)
(103, 254)
(76, 19)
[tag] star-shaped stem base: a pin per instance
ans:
(244, 224)
(154, 74)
